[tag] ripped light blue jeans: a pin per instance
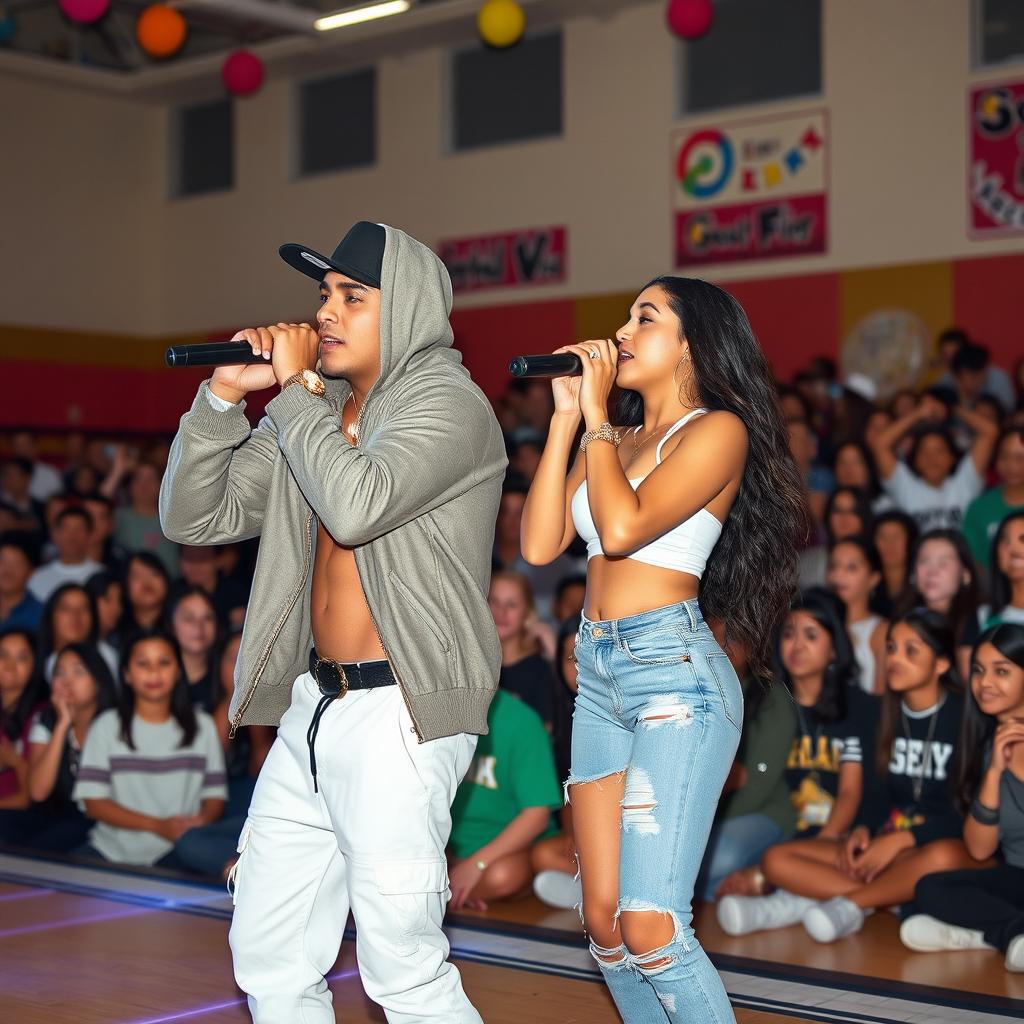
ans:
(659, 700)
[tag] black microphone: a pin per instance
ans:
(565, 364)
(213, 353)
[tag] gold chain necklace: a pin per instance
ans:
(637, 447)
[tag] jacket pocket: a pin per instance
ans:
(444, 642)
(408, 889)
(234, 879)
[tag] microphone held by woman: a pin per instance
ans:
(565, 364)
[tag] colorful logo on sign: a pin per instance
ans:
(751, 190)
(996, 179)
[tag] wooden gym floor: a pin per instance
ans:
(89, 945)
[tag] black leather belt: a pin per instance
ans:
(334, 679)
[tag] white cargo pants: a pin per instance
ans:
(372, 840)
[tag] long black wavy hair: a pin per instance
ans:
(977, 728)
(97, 667)
(751, 575)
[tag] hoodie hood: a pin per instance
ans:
(415, 304)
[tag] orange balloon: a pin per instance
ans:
(160, 31)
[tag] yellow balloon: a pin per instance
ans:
(501, 23)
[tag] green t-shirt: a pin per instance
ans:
(981, 521)
(514, 768)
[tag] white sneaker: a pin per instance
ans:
(928, 935)
(558, 889)
(741, 915)
(1015, 955)
(834, 919)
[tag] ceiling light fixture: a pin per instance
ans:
(357, 15)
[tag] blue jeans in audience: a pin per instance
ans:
(208, 849)
(735, 843)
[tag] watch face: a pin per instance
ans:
(313, 382)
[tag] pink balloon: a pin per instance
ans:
(690, 18)
(84, 11)
(242, 73)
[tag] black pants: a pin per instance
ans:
(989, 901)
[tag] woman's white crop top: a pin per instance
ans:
(685, 548)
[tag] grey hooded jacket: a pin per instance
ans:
(417, 500)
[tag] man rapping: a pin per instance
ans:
(374, 485)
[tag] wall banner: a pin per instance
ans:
(995, 174)
(511, 260)
(751, 190)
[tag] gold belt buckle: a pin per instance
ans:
(343, 689)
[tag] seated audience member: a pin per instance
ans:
(507, 554)
(80, 481)
(137, 524)
(195, 626)
(854, 467)
(945, 581)
(502, 807)
(200, 568)
(935, 485)
(848, 514)
(82, 688)
(211, 849)
(818, 480)
(1006, 582)
(525, 456)
(569, 597)
(19, 607)
(22, 694)
(972, 375)
(102, 546)
(854, 574)
(45, 480)
(69, 617)
(834, 723)
(895, 535)
(831, 886)
(107, 592)
(984, 909)
(146, 590)
(755, 811)
(525, 672)
(554, 859)
(18, 509)
(988, 510)
(153, 768)
(71, 536)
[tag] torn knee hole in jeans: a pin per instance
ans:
(573, 781)
(638, 804)
(663, 955)
(609, 957)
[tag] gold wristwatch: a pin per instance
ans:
(309, 380)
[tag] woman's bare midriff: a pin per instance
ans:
(617, 587)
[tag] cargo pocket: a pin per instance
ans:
(409, 888)
(235, 874)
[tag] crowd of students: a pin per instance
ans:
(882, 768)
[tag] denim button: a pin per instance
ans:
(596, 632)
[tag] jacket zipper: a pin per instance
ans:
(265, 657)
(376, 628)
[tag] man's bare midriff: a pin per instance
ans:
(343, 628)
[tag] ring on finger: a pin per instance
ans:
(594, 354)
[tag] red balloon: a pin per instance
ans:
(690, 18)
(242, 73)
(84, 11)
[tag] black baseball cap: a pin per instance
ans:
(359, 255)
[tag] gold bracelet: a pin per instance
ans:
(605, 432)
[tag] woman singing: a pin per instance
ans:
(701, 497)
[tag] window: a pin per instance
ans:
(756, 51)
(205, 148)
(337, 122)
(507, 95)
(998, 32)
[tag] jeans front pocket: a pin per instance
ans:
(663, 646)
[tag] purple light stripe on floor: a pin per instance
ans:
(70, 922)
(31, 894)
(201, 1011)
